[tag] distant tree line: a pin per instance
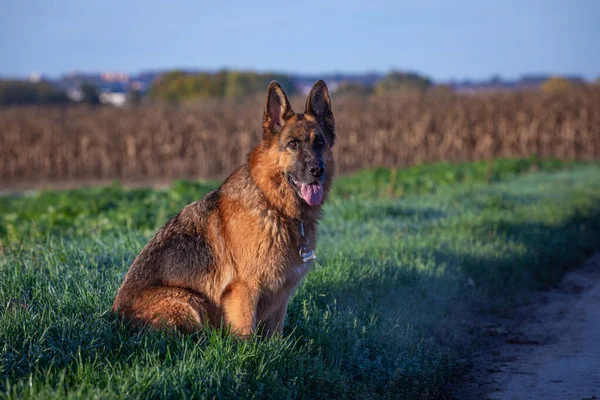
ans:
(393, 83)
(181, 86)
(25, 92)
(402, 82)
(557, 84)
(16, 92)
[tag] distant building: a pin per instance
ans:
(139, 86)
(114, 98)
(75, 95)
(114, 77)
(35, 77)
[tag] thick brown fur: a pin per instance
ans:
(232, 259)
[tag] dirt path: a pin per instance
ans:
(551, 351)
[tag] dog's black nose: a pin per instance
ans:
(317, 171)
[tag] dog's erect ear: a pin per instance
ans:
(318, 105)
(277, 109)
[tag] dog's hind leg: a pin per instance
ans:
(168, 308)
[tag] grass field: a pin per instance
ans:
(408, 262)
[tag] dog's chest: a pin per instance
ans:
(284, 271)
(277, 248)
(296, 272)
(285, 275)
(278, 287)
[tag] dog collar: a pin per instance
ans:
(305, 254)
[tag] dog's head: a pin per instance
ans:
(303, 142)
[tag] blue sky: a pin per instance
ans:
(445, 39)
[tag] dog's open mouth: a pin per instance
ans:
(312, 193)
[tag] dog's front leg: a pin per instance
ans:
(239, 305)
(274, 324)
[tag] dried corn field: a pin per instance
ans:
(208, 140)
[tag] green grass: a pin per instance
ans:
(408, 261)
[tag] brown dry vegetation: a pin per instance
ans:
(209, 139)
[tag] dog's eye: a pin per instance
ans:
(293, 144)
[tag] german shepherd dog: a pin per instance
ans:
(234, 258)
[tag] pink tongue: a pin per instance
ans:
(312, 194)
